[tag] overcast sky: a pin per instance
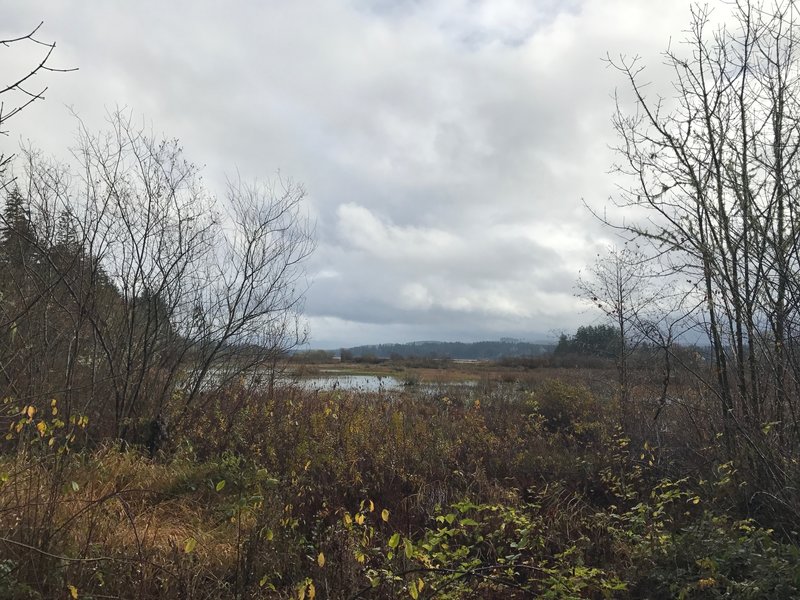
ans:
(446, 146)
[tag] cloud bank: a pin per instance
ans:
(447, 146)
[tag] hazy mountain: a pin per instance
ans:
(487, 350)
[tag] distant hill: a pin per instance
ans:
(456, 350)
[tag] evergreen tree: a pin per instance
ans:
(16, 232)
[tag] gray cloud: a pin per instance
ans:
(446, 145)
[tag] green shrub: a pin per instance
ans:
(715, 557)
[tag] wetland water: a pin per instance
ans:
(364, 383)
(370, 383)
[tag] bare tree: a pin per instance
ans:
(620, 284)
(144, 293)
(651, 311)
(21, 91)
(715, 169)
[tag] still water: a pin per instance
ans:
(364, 383)
(375, 383)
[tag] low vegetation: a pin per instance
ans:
(506, 491)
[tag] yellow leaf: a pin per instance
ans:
(413, 591)
(73, 592)
(312, 591)
(420, 584)
(191, 544)
(706, 582)
(385, 515)
(371, 506)
(347, 519)
(321, 559)
(41, 427)
(30, 411)
(360, 519)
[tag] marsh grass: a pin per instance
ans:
(523, 489)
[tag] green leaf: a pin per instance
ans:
(220, 485)
(190, 545)
(394, 541)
